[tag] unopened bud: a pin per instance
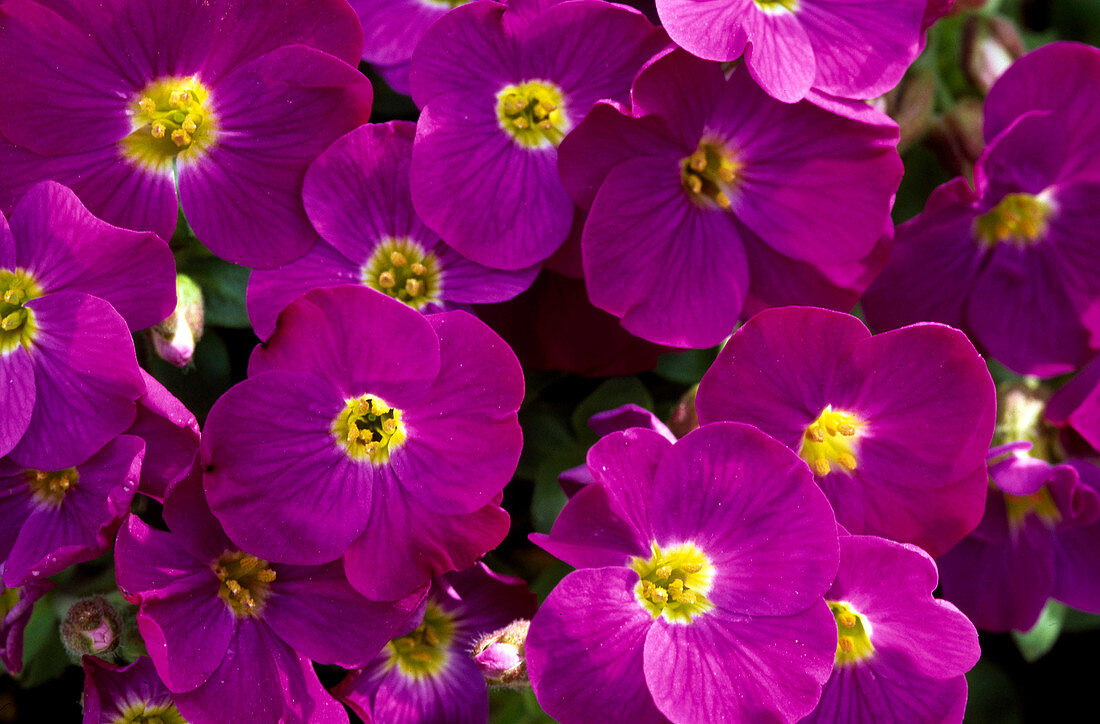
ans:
(500, 656)
(911, 104)
(92, 626)
(684, 417)
(175, 338)
(957, 137)
(990, 43)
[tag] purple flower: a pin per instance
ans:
(357, 196)
(1037, 540)
(895, 427)
(373, 431)
(699, 594)
(55, 518)
(500, 86)
(900, 654)
(72, 288)
(16, 607)
(171, 436)
(605, 423)
(232, 635)
(1076, 408)
(846, 48)
(227, 101)
(1009, 259)
(709, 199)
(391, 31)
(427, 674)
(132, 693)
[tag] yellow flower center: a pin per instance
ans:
(17, 327)
(1040, 503)
(51, 487)
(245, 582)
(368, 429)
(829, 439)
(775, 7)
(424, 652)
(143, 712)
(171, 118)
(532, 113)
(404, 270)
(1020, 219)
(710, 174)
(853, 642)
(674, 583)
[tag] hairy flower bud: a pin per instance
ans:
(684, 418)
(500, 655)
(990, 43)
(174, 339)
(92, 626)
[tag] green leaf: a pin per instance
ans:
(991, 696)
(548, 498)
(1040, 639)
(223, 288)
(44, 656)
(686, 368)
(1080, 621)
(615, 392)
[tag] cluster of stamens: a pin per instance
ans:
(405, 271)
(369, 429)
(1019, 219)
(245, 579)
(169, 117)
(179, 121)
(144, 712)
(17, 287)
(775, 7)
(674, 583)
(51, 486)
(424, 650)
(709, 174)
(828, 440)
(532, 113)
(853, 642)
(1040, 503)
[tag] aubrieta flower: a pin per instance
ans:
(702, 565)
(356, 194)
(391, 31)
(1076, 407)
(605, 423)
(171, 436)
(72, 288)
(1010, 259)
(709, 198)
(895, 427)
(1038, 540)
(901, 655)
(368, 429)
(843, 48)
(228, 102)
(131, 693)
(16, 607)
(55, 518)
(232, 635)
(500, 86)
(427, 674)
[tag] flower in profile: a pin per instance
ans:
(55, 518)
(500, 86)
(900, 654)
(72, 289)
(1037, 540)
(357, 196)
(702, 565)
(131, 693)
(1005, 259)
(225, 102)
(16, 607)
(232, 635)
(709, 198)
(790, 47)
(374, 432)
(427, 674)
(895, 427)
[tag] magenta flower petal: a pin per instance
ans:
(591, 666)
(307, 476)
(14, 624)
(171, 436)
(437, 449)
(626, 464)
(85, 369)
(17, 396)
(111, 692)
(332, 347)
(730, 682)
(591, 532)
(456, 695)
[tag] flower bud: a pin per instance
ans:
(684, 418)
(990, 43)
(92, 626)
(957, 137)
(500, 655)
(175, 338)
